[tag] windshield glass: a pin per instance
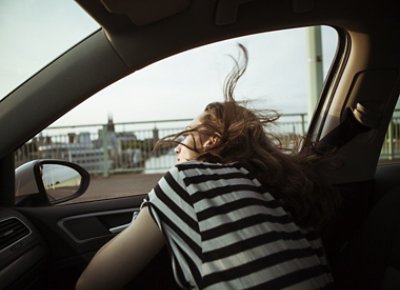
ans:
(35, 32)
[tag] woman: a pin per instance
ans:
(236, 212)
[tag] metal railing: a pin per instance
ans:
(110, 148)
(391, 145)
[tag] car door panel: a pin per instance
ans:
(82, 228)
(73, 233)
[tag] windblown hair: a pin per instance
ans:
(294, 177)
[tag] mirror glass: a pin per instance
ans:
(60, 181)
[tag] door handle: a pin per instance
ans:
(118, 229)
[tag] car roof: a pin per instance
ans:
(135, 34)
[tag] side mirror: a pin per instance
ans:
(47, 182)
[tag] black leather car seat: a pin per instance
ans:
(375, 250)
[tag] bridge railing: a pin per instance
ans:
(391, 144)
(105, 149)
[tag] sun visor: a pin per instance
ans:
(145, 12)
(123, 15)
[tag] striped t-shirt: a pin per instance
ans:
(225, 231)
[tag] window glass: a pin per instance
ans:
(113, 133)
(391, 144)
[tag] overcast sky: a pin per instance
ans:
(34, 32)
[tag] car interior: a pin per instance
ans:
(47, 246)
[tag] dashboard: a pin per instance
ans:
(22, 252)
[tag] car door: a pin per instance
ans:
(120, 156)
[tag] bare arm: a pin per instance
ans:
(117, 262)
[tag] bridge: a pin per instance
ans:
(105, 149)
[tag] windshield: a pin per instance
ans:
(35, 32)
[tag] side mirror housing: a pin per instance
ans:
(48, 182)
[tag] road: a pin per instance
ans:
(119, 185)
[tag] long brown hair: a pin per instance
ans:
(294, 177)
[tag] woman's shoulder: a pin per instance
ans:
(196, 164)
(205, 170)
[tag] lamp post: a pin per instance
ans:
(315, 66)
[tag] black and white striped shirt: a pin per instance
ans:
(225, 231)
